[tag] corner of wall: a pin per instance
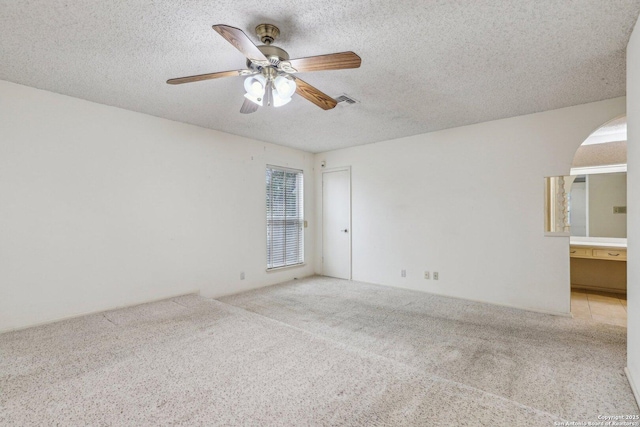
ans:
(633, 218)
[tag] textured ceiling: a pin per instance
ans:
(426, 65)
(615, 130)
(609, 153)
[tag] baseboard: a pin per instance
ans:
(87, 313)
(216, 295)
(599, 289)
(636, 391)
(533, 310)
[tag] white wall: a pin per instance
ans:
(103, 207)
(607, 190)
(468, 203)
(633, 211)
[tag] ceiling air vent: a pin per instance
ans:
(347, 99)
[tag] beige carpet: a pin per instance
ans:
(193, 361)
(570, 368)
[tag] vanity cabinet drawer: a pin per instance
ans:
(612, 254)
(578, 252)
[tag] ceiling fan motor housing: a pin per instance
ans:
(273, 53)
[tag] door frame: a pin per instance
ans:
(337, 169)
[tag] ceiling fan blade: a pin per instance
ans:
(332, 61)
(240, 41)
(209, 76)
(249, 107)
(312, 94)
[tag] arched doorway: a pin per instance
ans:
(596, 208)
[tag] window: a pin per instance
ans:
(285, 217)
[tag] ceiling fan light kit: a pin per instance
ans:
(255, 87)
(269, 80)
(281, 88)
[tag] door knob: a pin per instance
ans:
(345, 230)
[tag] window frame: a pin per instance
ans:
(298, 220)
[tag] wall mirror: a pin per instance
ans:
(597, 205)
(587, 205)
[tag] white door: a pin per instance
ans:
(336, 223)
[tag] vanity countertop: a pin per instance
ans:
(601, 242)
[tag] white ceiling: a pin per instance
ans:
(426, 65)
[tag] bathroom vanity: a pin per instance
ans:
(599, 263)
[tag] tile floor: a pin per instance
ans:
(603, 307)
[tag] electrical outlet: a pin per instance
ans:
(426, 275)
(242, 276)
(435, 275)
(403, 273)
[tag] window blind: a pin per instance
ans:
(285, 217)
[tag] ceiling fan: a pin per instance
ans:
(269, 80)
